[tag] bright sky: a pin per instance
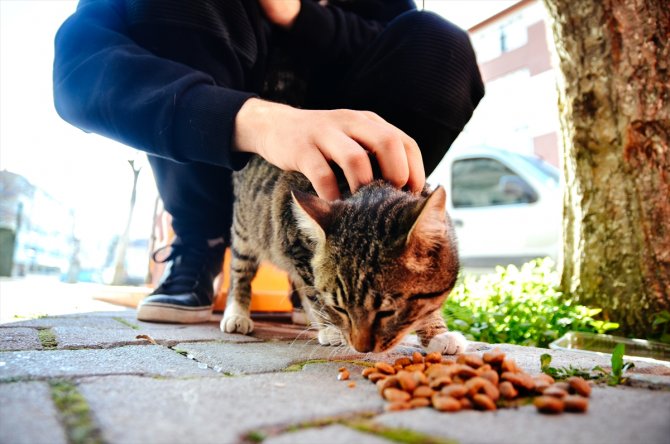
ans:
(85, 171)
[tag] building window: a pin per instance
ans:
(512, 35)
(507, 35)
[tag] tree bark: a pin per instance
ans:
(614, 98)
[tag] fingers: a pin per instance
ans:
(417, 175)
(315, 167)
(350, 135)
(307, 140)
(398, 154)
(351, 157)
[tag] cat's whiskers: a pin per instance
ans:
(313, 344)
(299, 336)
(339, 350)
(321, 318)
(308, 328)
(306, 287)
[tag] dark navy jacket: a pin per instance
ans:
(105, 83)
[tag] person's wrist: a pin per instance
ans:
(253, 122)
(245, 122)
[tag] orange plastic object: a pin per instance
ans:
(270, 288)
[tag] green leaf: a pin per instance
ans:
(610, 326)
(593, 311)
(660, 318)
(519, 306)
(617, 359)
(599, 369)
(618, 366)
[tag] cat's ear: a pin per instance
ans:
(430, 225)
(312, 214)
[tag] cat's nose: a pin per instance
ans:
(362, 342)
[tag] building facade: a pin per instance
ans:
(36, 231)
(520, 109)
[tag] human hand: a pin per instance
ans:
(306, 140)
(281, 12)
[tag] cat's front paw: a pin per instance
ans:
(331, 336)
(236, 323)
(449, 343)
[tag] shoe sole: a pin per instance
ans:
(154, 312)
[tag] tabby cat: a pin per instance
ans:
(370, 268)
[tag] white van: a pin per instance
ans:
(506, 207)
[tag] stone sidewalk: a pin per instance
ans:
(88, 378)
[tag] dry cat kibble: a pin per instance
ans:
(485, 382)
(343, 374)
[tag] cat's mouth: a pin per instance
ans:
(370, 344)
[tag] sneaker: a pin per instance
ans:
(186, 293)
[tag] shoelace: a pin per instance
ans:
(188, 265)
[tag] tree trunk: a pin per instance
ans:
(120, 266)
(615, 115)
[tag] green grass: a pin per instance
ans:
(399, 435)
(518, 306)
(300, 365)
(47, 338)
(362, 422)
(255, 436)
(75, 413)
(126, 323)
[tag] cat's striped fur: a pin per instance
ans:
(369, 268)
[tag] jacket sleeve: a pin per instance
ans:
(107, 84)
(330, 34)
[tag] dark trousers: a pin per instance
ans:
(420, 75)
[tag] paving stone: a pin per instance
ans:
(615, 415)
(92, 337)
(276, 356)
(260, 357)
(282, 331)
(334, 434)
(114, 329)
(528, 358)
(145, 360)
(122, 312)
(220, 410)
(89, 320)
(208, 407)
(27, 414)
(172, 334)
(264, 328)
(648, 381)
(19, 338)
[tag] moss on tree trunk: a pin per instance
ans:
(614, 92)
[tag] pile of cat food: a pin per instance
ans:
(484, 382)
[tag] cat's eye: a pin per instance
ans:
(432, 295)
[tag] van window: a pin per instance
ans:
(481, 182)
